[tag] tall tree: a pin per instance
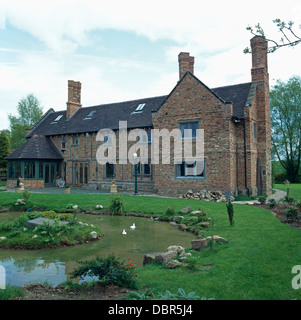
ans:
(4, 148)
(286, 125)
(29, 112)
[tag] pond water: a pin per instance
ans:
(55, 265)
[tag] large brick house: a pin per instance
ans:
(235, 120)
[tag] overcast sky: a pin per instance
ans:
(123, 50)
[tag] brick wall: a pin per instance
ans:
(192, 100)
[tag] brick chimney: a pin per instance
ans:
(259, 48)
(186, 63)
(74, 94)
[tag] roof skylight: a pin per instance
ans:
(90, 115)
(139, 109)
(57, 119)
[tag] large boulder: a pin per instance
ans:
(172, 264)
(199, 244)
(186, 210)
(217, 239)
(178, 249)
(164, 257)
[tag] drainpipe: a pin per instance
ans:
(245, 153)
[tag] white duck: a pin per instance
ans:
(133, 226)
(123, 231)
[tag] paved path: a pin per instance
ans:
(279, 194)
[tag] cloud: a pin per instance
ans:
(214, 32)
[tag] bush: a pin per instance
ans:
(26, 195)
(170, 211)
(292, 214)
(272, 203)
(289, 200)
(108, 270)
(262, 199)
(230, 210)
(116, 205)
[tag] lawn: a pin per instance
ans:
(255, 263)
(294, 189)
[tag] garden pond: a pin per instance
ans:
(55, 265)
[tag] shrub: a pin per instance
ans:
(202, 215)
(170, 211)
(272, 203)
(108, 270)
(26, 195)
(292, 214)
(262, 199)
(289, 200)
(49, 214)
(116, 205)
(230, 210)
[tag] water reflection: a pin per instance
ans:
(55, 265)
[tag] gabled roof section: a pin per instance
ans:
(37, 147)
(192, 75)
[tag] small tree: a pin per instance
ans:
(230, 210)
(29, 112)
(4, 148)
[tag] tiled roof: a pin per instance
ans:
(109, 115)
(237, 94)
(37, 147)
(105, 116)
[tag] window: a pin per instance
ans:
(75, 139)
(255, 130)
(90, 115)
(142, 169)
(63, 144)
(29, 170)
(139, 109)
(195, 169)
(110, 170)
(41, 173)
(57, 119)
(189, 129)
(147, 169)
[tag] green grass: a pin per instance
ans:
(10, 293)
(255, 263)
(294, 189)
